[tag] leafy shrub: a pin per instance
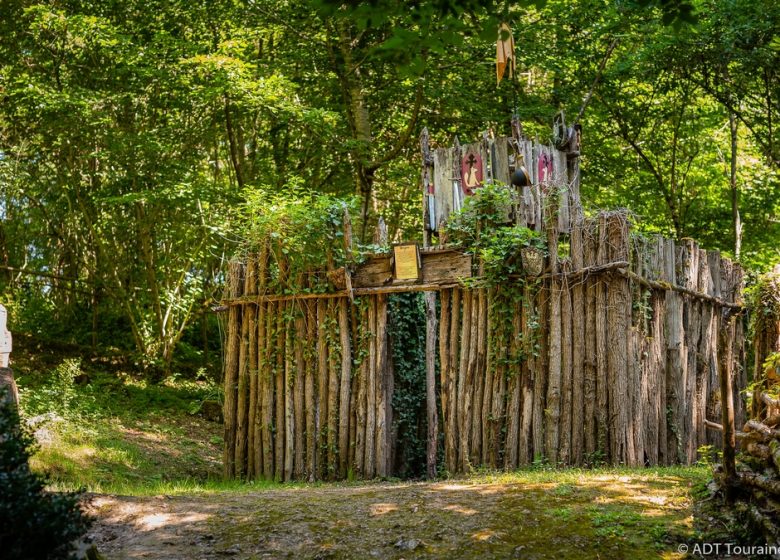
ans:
(483, 227)
(59, 394)
(34, 524)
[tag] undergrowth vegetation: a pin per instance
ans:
(115, 431)
(34, 524)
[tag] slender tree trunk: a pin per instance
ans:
(735, 217)
(727, 399)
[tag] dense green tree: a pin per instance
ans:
(132, 133)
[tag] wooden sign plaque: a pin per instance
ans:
(406, 261)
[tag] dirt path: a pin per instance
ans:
(596, 516)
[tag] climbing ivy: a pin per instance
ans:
(305, 232)
(484, 228)
(407, 334)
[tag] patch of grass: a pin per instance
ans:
(563, 490)
(115, 432)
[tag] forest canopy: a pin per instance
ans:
(135, 135)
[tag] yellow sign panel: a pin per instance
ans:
(406, 262)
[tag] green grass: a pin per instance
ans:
(117, 433)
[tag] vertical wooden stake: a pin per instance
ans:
(726, 331)
(263, 336)
(382, 403)
(465, 350)
(309, 391)
(333, 398)
(321, 418)
(430, 315)
(346, 379)
(250, 288)
(444, 364)
(242, 406)
(451, 427)
(360, 414)
(231, 371)
(430, 382)
(267, 382)
(370, 458)
(298, 393)
(288, 377)
(602, 383)
(279, 428)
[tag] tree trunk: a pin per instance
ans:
(736, 220)
(727, 405)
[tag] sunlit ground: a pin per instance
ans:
(611, 513)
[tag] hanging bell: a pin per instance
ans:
(520, 177)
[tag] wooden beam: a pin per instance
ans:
(435, 280)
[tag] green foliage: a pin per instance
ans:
(708, 456)
(132, 133)
(763, 298)
(483, 228)
(304, 231)
(407, 334)
(34, 524)
(110, 431)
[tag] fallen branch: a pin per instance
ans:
(716, 426)
(665, 286)
(755, 426)
(769, 400)
(759, 481)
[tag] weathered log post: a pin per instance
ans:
(452, 387)
(429, 224)
(346, 354)
(235, 285)
(250, 288)
(618, 324)
(553, 409)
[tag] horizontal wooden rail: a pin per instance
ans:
(618, 267)
(665, 286)
(334, 295)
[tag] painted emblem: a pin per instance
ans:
(471, 172)
(545, 168)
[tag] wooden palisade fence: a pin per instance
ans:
(623, 367)
(612, 354)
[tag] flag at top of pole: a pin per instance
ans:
(505, 52)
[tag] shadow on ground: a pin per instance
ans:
(598, 516)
